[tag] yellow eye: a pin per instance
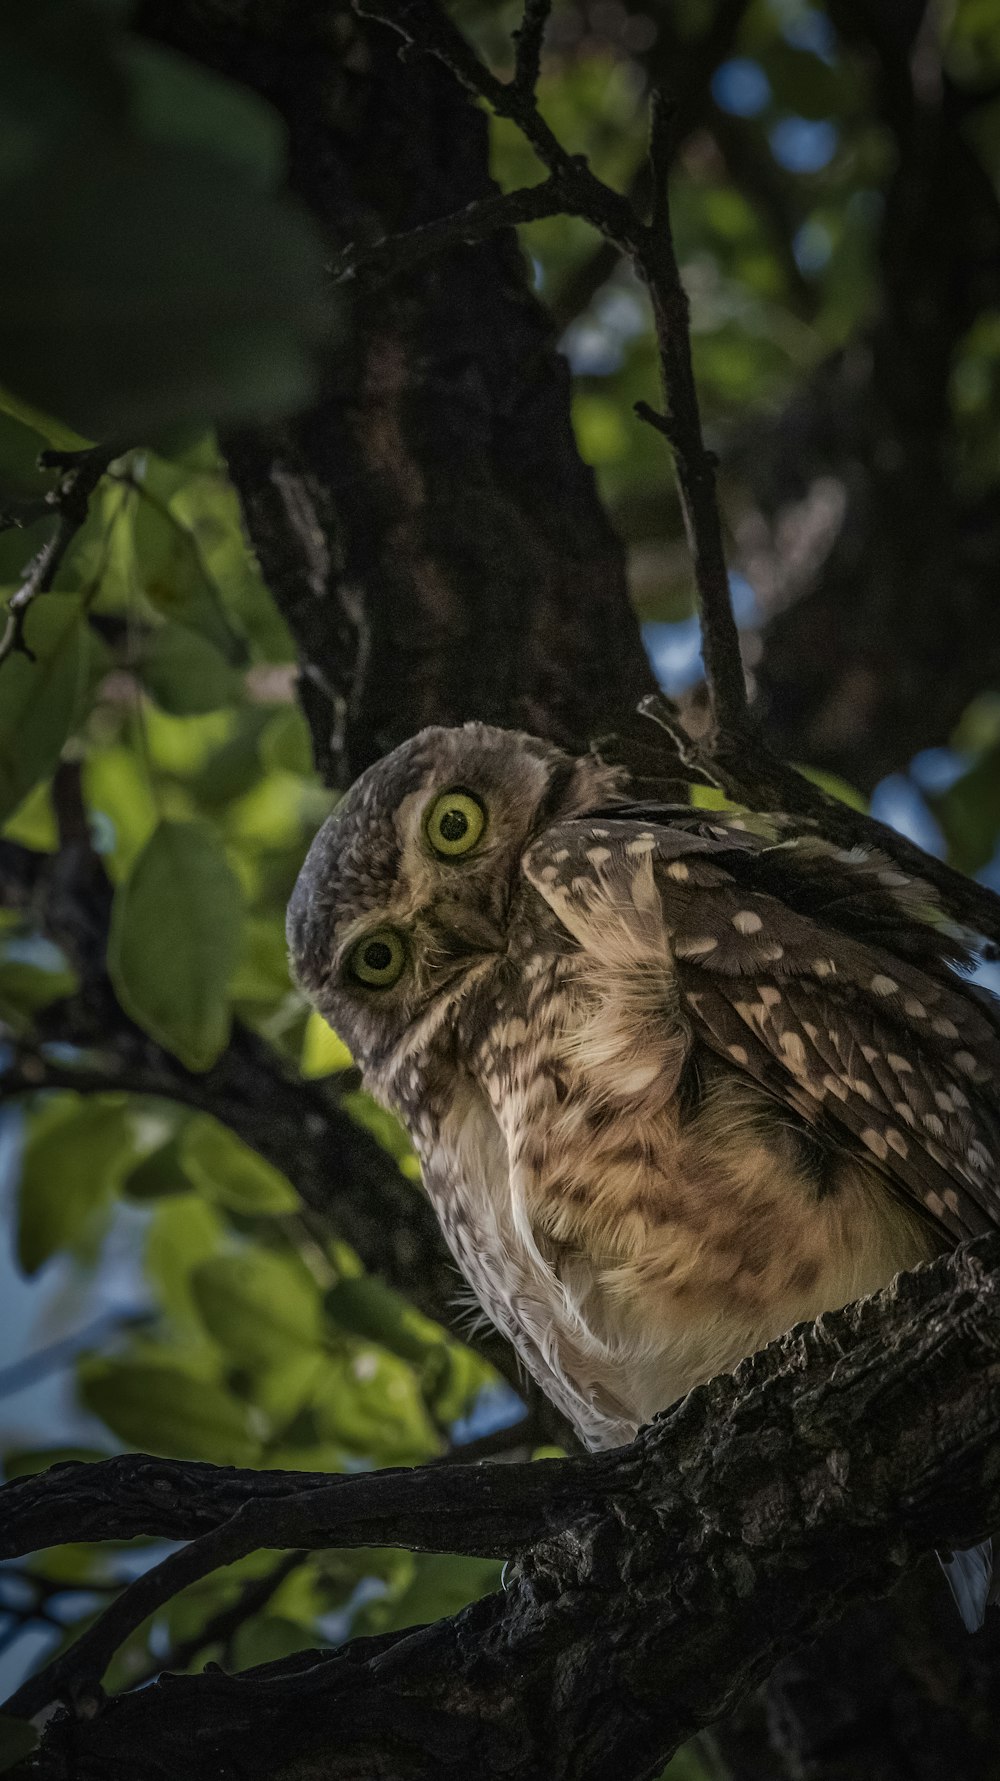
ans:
(455, 823)
(379, 959)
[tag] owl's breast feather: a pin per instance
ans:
(648, 1241)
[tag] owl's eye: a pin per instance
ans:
(455, 823)
(379, 959)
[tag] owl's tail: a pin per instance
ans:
(972, 1582)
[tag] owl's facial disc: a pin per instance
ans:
(403, 905)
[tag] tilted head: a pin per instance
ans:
(406, 894)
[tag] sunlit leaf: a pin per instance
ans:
(120, 797)
(176, 582)
(75, 1154)
(41, 701)
(370, 1403)
(322, 1050)
(159, 1175)
(165, 1410)
(184, 1232)
(259, 1306)
(228, 1171)
(186, 674)
(367, 1307)
(175, 940)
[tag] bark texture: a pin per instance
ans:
(655, 1585)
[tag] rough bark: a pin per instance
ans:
(656, 1584)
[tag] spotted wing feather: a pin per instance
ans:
(886, 1050)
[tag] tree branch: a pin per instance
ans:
(393, 254)
(746, 1517)
(82, 471)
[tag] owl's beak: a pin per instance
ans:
(465, 930)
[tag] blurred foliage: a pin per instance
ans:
(234, 1329)
(165, 675)
(156, 274)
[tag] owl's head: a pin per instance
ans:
(407, 892)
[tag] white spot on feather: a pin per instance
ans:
(883, 985)
(747, 921)
(696, 946)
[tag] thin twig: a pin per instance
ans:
(392, 254)
(82, 471)
(255, 1595)
(528, 40)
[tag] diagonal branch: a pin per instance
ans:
(655, 1584)
(393, 254)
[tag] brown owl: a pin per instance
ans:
(677, 1080)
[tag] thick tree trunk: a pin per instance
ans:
(429, 531)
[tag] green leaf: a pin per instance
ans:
(187, 674)
(286, 743)
(267, 1638)
(258, 1306)
(229, 1172)
(176, 101)
(442, 1584)
(969, 813)
(184, 1232)
(166, 1410)
(159, 1175)
(322, 1050)
(119, 794)
(33, 973)
(18, 1738)
(175, 937)
(370, 1404)
(53, 431)
(149, 285)
(367, 1307)
(74, 1158)
(176, 582)
(41, 701)
(837, 787)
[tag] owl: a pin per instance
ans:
(678, 1080)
